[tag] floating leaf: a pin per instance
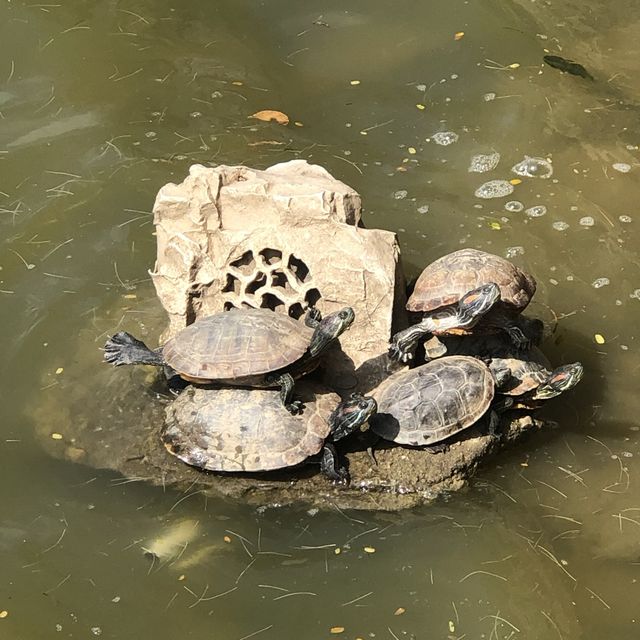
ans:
(335, 630)
(495, 225)
(354, 83)
(4, 613)
(59, 370)
(268, 114)
(421, 107)
(369, 550)
(227, 539)
(412, 150)
(459, 35)
(514, 65)
(337, 551)
(599, 338)
(56, 436)
(515, 181)
(237, 83)
(399, 611)
(452, 627)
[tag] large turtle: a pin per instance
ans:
(442, 286)
(240, 347)
(432, 402)
(240, 430)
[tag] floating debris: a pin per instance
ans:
(336, 630)
(445, 138)
(423, 209)
(568, 66)
(483, 162)
(532, 167)
(587, 221)
(172, 543)
(56, 436)
(400, 195)
(599, 338)
(59, 370)
(354, 83)
(512, 252)
(537, 211)
(514, 206)
(494, 189)
(369, 549)
(399, 611)
(635, 294)
(267, 115)
(560, 226)
(488, 97)
(625, 219)
(622, 167)
(600, 282)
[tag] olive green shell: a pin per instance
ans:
(234, 430)
(447, 279)
(238, 345)
(432, 402)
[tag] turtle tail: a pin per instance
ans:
(123, 348)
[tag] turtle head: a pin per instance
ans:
(476, 303)
(561, 379)
(351, 414)
(329, 329)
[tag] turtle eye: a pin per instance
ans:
(363, 405)
(342, 315)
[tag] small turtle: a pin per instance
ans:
(528, 376)
(446, 283)
(244, 430)
(432, 402)
(240, 347)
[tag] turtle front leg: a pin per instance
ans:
(123, 348)
(404, 343)
(520, 340)
(286, 384)
(332, 467)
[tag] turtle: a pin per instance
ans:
(430, 403)
(528, 376)
(240, 347)
(443, 285)
(246, 430)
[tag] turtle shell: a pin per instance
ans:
(232, 429)
(430, 403)
(240, 343)
(447, 279)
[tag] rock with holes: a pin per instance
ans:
(286, 238)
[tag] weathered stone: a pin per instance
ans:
(286, 238)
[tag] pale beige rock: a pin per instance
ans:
(284, 238)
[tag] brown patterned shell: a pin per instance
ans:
(430, 403)
(240, 343)
(246, 429)
(447, 279)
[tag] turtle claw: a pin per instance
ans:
(295, 407)
(122, 348)
(399, 355)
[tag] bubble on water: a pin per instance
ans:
(488, 97)
(421, 87)
(400, 195)
(624, 218)
(483, 162)
(537, 211)
(514, 206)
(196, 114)
(445, 138)
(587, 221)
(532, 167)
(423, 209)
(494, 189)
(97, 631)
(560, 226)
(600, 282)
(150, 134)
(622, 167)
(512, 252)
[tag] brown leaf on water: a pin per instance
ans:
(268, 114)
(399, 611)
(336, 630)
(459, 35)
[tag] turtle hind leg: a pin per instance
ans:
(123, 348)
(332, 466)
(286, 383)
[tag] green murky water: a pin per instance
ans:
(102, 103)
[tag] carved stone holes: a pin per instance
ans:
(269, 279)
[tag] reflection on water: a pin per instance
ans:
(101, 104)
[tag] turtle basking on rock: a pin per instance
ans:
(433, 402)
(246, 430)
(240, 347)
(492, 288)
